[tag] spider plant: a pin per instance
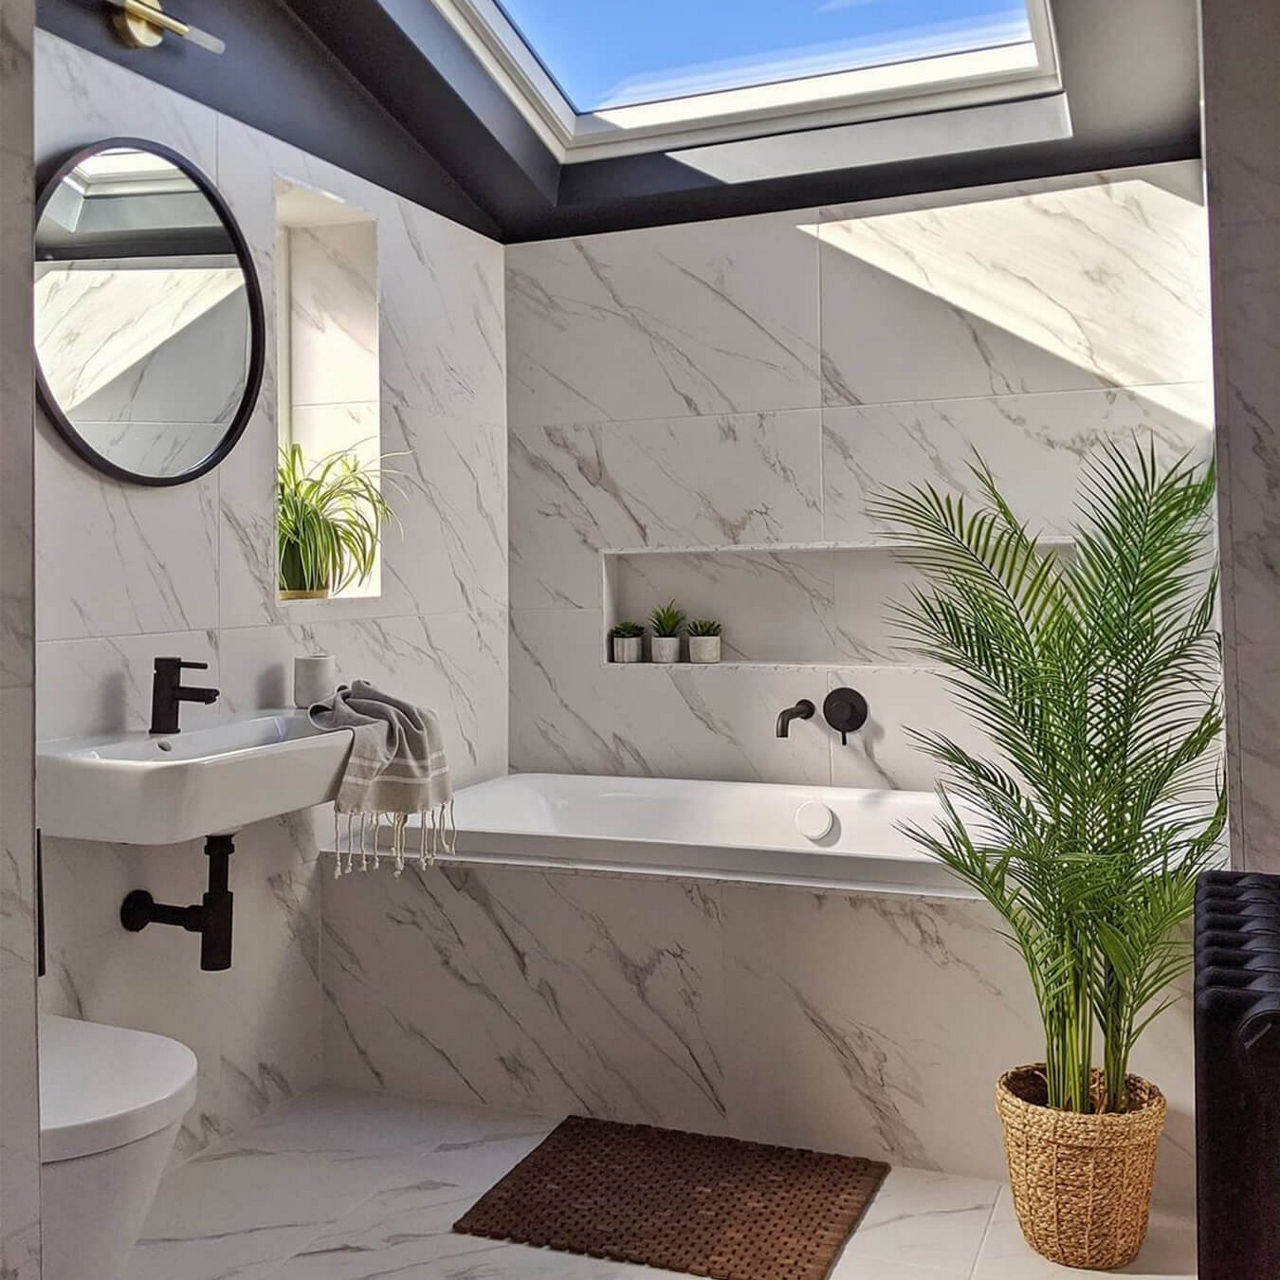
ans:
(329, 515)
(1095, 676)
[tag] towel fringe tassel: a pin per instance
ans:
(361, 832)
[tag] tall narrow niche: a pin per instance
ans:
(329, 386)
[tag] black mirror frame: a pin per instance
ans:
(253, 293)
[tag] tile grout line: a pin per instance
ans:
(585, 424)
(283, 624)
(986, 1233)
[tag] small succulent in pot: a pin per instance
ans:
(704, 640)
(625, 640)
(667, 621)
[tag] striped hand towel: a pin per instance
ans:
(397, 768)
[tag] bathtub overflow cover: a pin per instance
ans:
(814, 819)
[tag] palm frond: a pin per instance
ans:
(1094, 675)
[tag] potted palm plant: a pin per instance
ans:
(329, 516)
(667, 621)
(1095, 676)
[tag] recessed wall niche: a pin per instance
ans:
(815, 604)
(329, 384)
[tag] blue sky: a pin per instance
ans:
(616, 52)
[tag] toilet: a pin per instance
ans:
(111, 1102)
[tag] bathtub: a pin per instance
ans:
(708, 830)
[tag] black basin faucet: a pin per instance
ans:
(803, 710)
(168, 691)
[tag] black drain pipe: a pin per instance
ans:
(210, 918)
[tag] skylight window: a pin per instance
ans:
(599, 78)
(622, 54)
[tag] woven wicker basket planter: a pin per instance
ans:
(1081, 1183)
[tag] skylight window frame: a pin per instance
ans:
(976, 78)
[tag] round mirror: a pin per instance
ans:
(148, 315)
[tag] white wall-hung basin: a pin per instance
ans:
(166, 789)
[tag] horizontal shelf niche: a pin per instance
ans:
(814, 604)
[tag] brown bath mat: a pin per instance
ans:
(680, 1201)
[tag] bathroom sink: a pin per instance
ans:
(143, 789)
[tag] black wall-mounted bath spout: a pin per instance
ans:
(803, 710)
(168, 692)
(210, 918)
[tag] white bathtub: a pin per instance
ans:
(710, 830)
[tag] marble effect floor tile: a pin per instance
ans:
(924, 1219)
(349, 1186)
(1168, 1253)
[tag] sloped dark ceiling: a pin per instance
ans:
(279, 77)
(387, 89)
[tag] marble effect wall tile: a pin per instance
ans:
(453, 663)
(17, 620)
(1077, 316)
(1247, 314)
(131, 561)
(570, 713)
(19, 1089)
(727, 1008)
(1184, 178)
(682, 482)
(1068, 287)
(76, 109)
(1243, 180)
(191, 571)
(882, 753)
(1102, 285)
(573, 713)
(19, 1094)
(819, 605)
(442, 402)
(449, 551)
(549, 993)
(99, 686)
(255, 1029)
(710, 318)
(443, 319)
(333, 313)
(775, 606)
(1035, 446)
(1240, 111)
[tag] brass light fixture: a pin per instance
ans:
(141, 24)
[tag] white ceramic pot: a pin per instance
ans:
(626, 648)
(315, 677)
(704, 648)
(666, 648)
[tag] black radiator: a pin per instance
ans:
(1237, 1021)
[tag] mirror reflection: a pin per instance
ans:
(144, 322)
